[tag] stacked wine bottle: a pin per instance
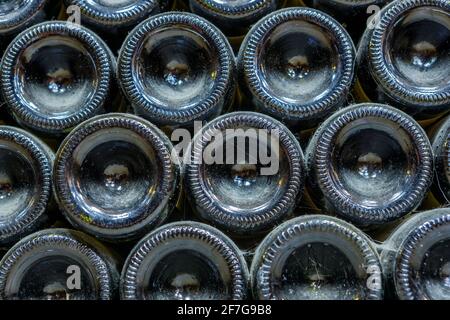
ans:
(206, 149)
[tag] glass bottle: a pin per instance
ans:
(17, 15)
(184, 261)
(234, 18)
(113, 19)
(441, 150)
(416, 257)
(244, 173)
(56, 75)
(109, 15)
(58, 264)
(115, 177)
(25, 184)
(297, 84)
(316, 257)
(176, 68)
(354, 15)
(403, 59)
(369, 163)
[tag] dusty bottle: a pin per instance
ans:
(17, 15)
(403, 60)
(244, 173)
(58, 264)
(441, 150)
(111, 18)
(25, 184)
(176, 68)
(234, 18)
(115, 177)
(55, 75)
(370, 164)
(297, 84)
(316, 257)
(354, 15)
(184, 261)
(416, 257)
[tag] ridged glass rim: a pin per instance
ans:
(320, 159)
(136, 37)
(97, 49)
(44, 167)
(262, 218)
(441, 147)
(276, 241)
(119, 16)
(26, 12)
(61, 238)
(149, 132)
(402, 277)
(243, 9)
(248, 60)
(186, 229)
(388, 16)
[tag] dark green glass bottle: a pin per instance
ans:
(316, 257)
(184, 261)
(297, 65)
(355, 15)
(403, 60)
(26, 171)
(59, 264)
(416, 257)
(116, 178)
(369, 163)
(55, 75)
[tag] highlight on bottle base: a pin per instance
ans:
(225, 150)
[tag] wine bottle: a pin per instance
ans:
(369, 163)
(416, 257)
(441, 150)
(354, 15)
(58, 264)
(297, 65)
(244, 173)
(113, 19)
(403, 59)
(184, 261)
(316, 257)
(55, 75)
(111, 15)
(115, 177)
(25, 184)
(176, 68)
(234, 18)
(17, 15)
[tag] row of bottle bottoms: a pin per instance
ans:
(310, 257)
(114, 20)
(116, 177)
(298, 65)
